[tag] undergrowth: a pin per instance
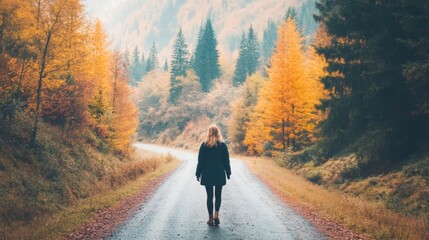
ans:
(39, 181)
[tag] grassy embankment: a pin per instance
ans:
(365, 217)
(48, 192)
(70, 218)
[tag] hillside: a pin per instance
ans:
(139, 23)
(56, 178)
(67, 123)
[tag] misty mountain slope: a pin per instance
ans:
(139, 23)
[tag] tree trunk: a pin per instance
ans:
(288, 135)
(292, 127)
(42, 73)
(283, 134)
(21, 77)
(39, 90)
(116, 76)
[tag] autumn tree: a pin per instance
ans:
(17, 55)
(153, 95)
(99, 72)
(242, 108)
(97, 107)
(64, 103)
(56, 67)
(124, 113)
(191, 86)
(50, 44)
(285, 113)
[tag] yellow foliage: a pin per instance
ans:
(285, 113)
(124, 119)
(50, 50)
(99, 61)
(242, 108)
(124, 122)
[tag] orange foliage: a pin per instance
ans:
(285, 114)
(124, 120)
(56, 66)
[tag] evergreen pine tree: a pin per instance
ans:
(136, 67)
(127, 56)
(142, 65)
(252, 49)
(269, 41)
(179, 65)
(127, 63)
(290, 13)
(152, 61)
(305, 20)
(196, 64)
(368, 94)
(248, 59)
(97, 106)
(192, 62)
(213, 66)
(414, 20)
(207, 57)
(166, 65)
(240, 72)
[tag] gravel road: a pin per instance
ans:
(249, 209)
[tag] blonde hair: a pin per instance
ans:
(213, 136)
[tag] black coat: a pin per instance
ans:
(213, 163)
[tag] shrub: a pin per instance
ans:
(314, 177)
(351, 171)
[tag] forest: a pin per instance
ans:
(346, 106)
(337, 91)
(66, 118)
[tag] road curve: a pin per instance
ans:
(177, 209)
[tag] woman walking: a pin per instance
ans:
(213, 164)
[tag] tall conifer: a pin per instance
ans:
(240, 72)
(252, 58)
(152, 61)
(268, 42)
(179, 65)
(206, 63)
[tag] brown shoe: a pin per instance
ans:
(216, 219)
(210, 221)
